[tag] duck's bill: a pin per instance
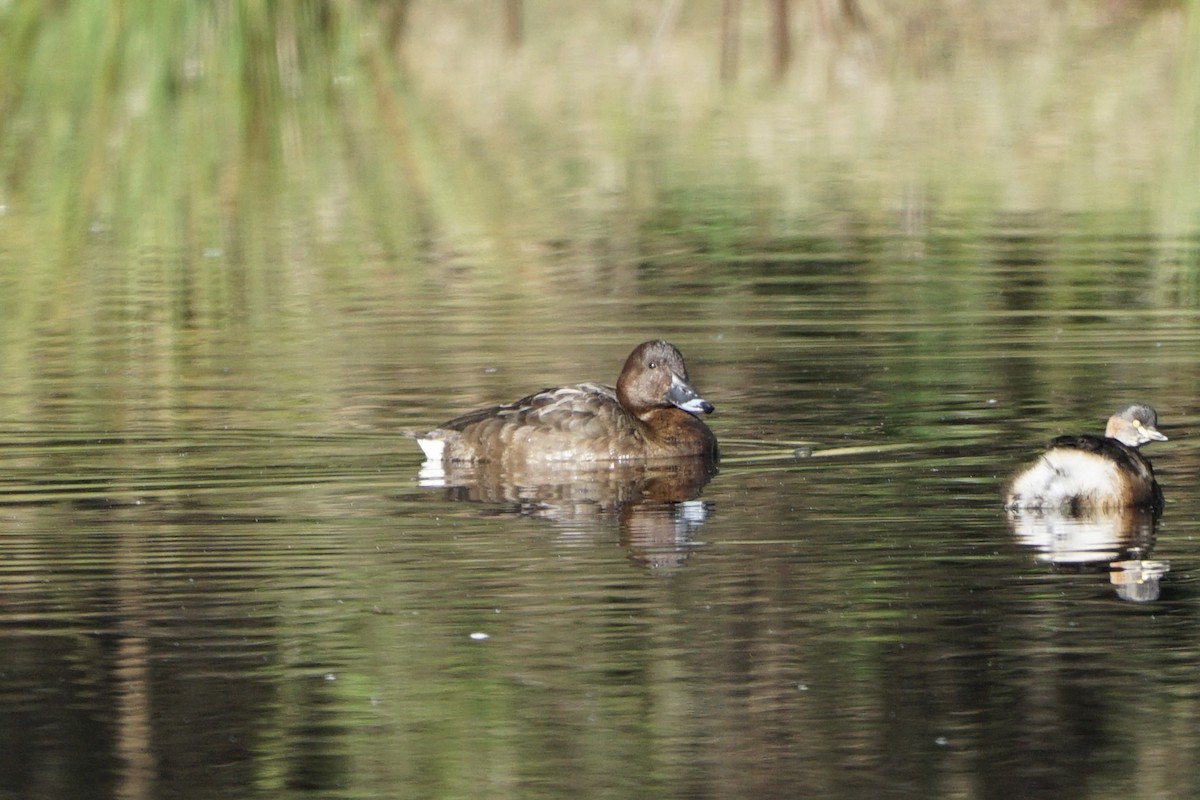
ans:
(682, 395)
(1153, 434)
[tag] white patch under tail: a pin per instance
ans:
(434, 449)
(1064, 477)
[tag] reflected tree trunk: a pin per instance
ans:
(835, 15)
(513, 24)
(394, 20)
(781, 39)
(134, 719)
(730, 11)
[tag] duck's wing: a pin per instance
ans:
(584, 410)
(580, 408)
(580, 422)
(1126, 457)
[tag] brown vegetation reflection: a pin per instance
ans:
(1118, 541)
(654, 506)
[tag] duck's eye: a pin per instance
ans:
(653, 365)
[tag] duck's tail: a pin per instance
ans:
(432, 446)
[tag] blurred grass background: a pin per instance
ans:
(179, 168)
(223, 150)
(479, 126)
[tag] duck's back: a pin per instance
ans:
(1086, 473)
(583, 422)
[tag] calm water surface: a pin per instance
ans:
(227, 575)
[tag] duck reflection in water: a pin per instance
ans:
(637, 452)
(656, 507)
(1092, 503)
(1118, 542)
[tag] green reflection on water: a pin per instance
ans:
(231, 228)
(224, 177)
(252, 128)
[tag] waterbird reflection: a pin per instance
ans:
(655, 506)
(1118, 541)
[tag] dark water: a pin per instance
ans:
(226, 575)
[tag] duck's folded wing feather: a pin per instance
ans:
(585, 408)
(1126, 457)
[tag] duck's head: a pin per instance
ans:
(1134, 425)
(654, 377)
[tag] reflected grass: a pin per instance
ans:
(259, 129)
(226, 177)
(196, 196)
